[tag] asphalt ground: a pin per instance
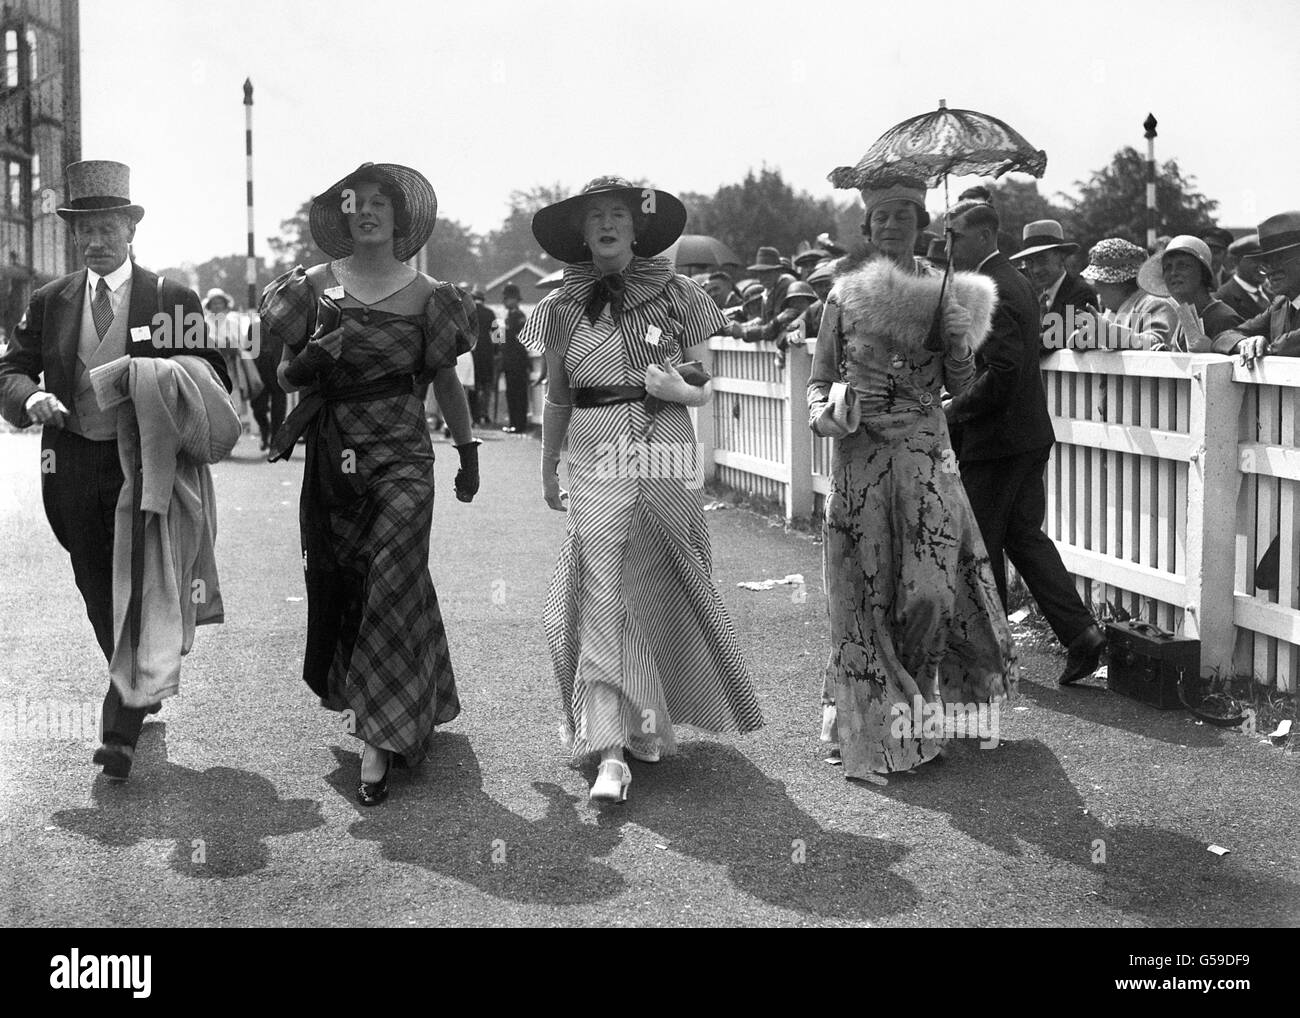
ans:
(1094, 810)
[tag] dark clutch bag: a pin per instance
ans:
(328, 317)
(692, 372)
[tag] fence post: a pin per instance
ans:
(798, 439)
(1212, 482)
(704, 424)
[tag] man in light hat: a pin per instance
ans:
(73, 324)
(1276, 331)
(1060, 293)
(769, 271)
(1244, 291)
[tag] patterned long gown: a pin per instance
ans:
(631, 605)
(390, 664)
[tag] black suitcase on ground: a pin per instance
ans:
(1147, 664)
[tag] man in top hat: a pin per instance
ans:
(1244, 291)
(1060, 292)
(485, 353)
(73, 324)
(1275, 331)
(769, 271)
(1003, 436)
(1219, 241)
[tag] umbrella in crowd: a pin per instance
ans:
(551, 280)
(696, 251)
(933, 145)
(929, 147)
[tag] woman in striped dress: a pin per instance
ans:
(375, 641)
(640, 640)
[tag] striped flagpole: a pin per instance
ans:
(251, 273)
(1152, 212)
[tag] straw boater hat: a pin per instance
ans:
(558, 227)
(1113, 260)
(99, 185)
(1279, 233)
(329, 228)
(1151, 277)
(1043, 235)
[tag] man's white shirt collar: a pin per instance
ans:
(1252, 290)
(985, 259)
(1049, 295)
(114, 279)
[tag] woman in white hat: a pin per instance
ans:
(1184, 272)
(914, 609)
(376, 646)
(640, 640)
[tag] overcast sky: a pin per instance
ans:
(484, 97)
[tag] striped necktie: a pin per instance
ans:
(101, 309)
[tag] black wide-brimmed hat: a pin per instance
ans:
(329, 228)
(99, 185)
(558, 227)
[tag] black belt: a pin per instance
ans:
(607, 395)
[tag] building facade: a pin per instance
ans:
(40, 134)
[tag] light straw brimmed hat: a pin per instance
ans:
(329, 226)
(1113, 260)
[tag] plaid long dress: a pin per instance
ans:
(631, 606)
(390, 664)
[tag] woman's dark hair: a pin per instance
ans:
(388, 188)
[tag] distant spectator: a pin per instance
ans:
(977, 193)
(1061, 294)
(485, 367)
(720, 287)
(1243, 292)
(806, 261)
(822, 278)
(775, 278)
(1275, 332)
(1182, 271)
(937, 253)
(516, 364)
(1132, 318)
(1218, 240)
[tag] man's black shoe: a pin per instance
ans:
(115, 759)
(1084, 656)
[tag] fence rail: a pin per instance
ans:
(1171, 477)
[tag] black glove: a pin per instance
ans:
(467, 475)
(312, 362)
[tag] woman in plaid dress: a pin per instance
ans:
(375, 639)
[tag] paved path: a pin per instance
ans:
(240, 807)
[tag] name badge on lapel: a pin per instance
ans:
(141, 334)
(653, 334)
(334, 292)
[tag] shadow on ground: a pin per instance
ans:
(219, 818)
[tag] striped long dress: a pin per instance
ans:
(631, 605)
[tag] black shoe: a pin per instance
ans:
(115, 759)
(372, 793)
(1084, 656)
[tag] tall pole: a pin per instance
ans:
(1150, 125)
(251, 274)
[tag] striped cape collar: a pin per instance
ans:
(644, 278)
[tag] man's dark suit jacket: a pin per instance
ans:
(45, 341)
(1072, 291)
(1004, 410)
(1239, 300)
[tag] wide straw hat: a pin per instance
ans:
(660, 218)
(99, 185)
(1113, 260)
(329, 227)
(1151, 277)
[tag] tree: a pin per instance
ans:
(514, 242)
(229, 273)
(1113, 202)
(452, 253)
(762, 210)
(295, 246)
(1018, 203)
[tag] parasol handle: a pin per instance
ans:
(934, 339)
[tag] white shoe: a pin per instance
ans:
(611, 782)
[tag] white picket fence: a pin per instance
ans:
(1171, 476)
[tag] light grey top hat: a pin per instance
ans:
(99, 185)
